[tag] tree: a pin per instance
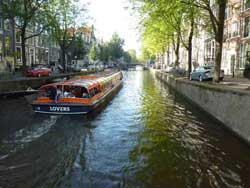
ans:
(216, 13)
(146, 56)
(133, 56)
(26, 14)
(94, 52)
(104, 52)
(115, 47)
(161, 23)
(127, 58)
(62, 15)
(78, 47)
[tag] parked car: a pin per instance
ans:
(38, 71)
(178, 71)
(168, 69)
(204, 73)
(78, 68)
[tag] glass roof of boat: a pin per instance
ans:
(80, 82)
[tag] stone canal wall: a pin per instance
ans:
(229, 106)
(10, 86)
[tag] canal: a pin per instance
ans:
(146, 137)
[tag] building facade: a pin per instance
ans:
(39, 49)
(7, 45)
(236, 46)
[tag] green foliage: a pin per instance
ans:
(25, 12)
(104, 52)
(127, 58)
(246, 72)
(146, 55)
(164, 24)
(25, 15)
(62, 16)
(78, 47)
(130, 56)
(111, 50)
(133, 56)
(115, 47)
(94, 52)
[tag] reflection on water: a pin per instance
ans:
(147, 136)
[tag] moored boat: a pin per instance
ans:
(77, 96)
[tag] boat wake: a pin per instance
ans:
(27, 135)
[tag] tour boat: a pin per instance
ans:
(77, 96)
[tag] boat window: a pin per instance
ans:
(68, 92)
(84, 93)
(94, 91)
(51, 92)
(76, 91)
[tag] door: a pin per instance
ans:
(232, 64)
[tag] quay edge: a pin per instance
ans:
(19, 87)
(230, 106)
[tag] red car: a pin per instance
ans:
(39, 71)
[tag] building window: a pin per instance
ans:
(213, 49)
(30, 41)
(18, 53)
(6, 25)
(8, 45)
(247, 27)
(228, 12)
(235, 29)
(246, 4)
(245, 55)
(209, 52)
(18, 37)
(226, 33)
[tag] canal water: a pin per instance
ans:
(146, 137)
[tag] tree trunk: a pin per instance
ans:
(168, 56)
(63, 61)
(13, 45)
(219, 40)
(23, 40)
(190, 47)
(177, 50)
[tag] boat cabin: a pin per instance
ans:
(84, 88)
(76, 96)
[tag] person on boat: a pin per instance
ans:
(51, 92)
(85, 95)
(66, 94)
(58, 94)
(76, 91)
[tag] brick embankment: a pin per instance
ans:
(20, 86)
(229, 105)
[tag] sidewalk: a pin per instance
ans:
(19, 76)
(236, 83)
(11, 76)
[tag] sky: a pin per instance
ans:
(109, 16)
